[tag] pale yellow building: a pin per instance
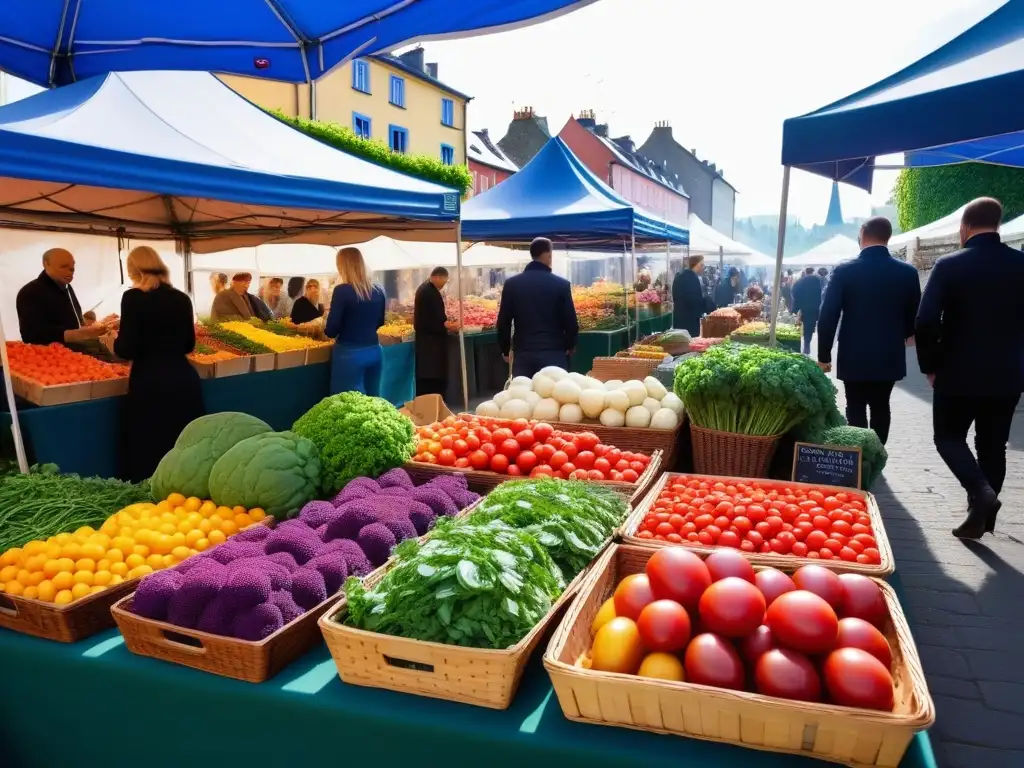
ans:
(398, 100)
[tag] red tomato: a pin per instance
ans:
(526, 461)
(675, 574)
(803, 621)
(479, 460)
(773, 583)
(587, 441)
(558, 459)
(585, 459)
(525, 438)
(761, 641)
(542, 470)
(446, 457)
(447, 441)
(629, 476)
(664, 626)
(509, 448)
(602, 465)
(544, 452)
(855, 678)
(570, 450)
(499, 463)
(712, 660)
(581, 474)
(498, 435)
(567, 470)
(632, 595)
(462, 463)
(727, 562)
(514, 471)
(595, 475)
(788, 675)
(488, 449)
(519, 425)
(857, 633)
(862, 598)
(732, 607)
(542, 431)
(728, 538)
(822, 582)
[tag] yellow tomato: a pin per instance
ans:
(85, 564)
(225, 512)
(96, 588)
(134, 560)
(156, 562)
(47, 592)
(207, 509)
(243, 521)
(32, 593)
(181, 553)
(66, 564)
(85, 531)
(202, 545)
(10, 557)
(115, 556)
(192, 537)
(9, 573)
(34, 548)
(617, 647)
(84, 577)
(228, 528)
(604, 615)
(161, 545)
(257, 514)
(71, 550)
(205, 527)
(80, 590)
(15, 588)
(217, 536)
(63, 597)
(35, 579)
(50, 569)
(217, 519)
(140, 549)
(175, 500)
(102, 565)
(24, 577)
(119, 569)
(63, 580)
(93, 551)
(177, 539)
(139, 572)
(35, 563)
(192, 504)
(662, 666)
(167, 529)
(101, 578)
(52, 550)
(116, 578)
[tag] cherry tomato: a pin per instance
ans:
(788, 675)
(732, 607)
(542, 431)
(526, 461)
(446, 457)
(712, 660)
(525, 438)
(499, 435)
(587, 441)
(499, 463)
(558, 459)
(855, 678)
(822, 582)
(478, 460)
(488, 449)
(617, 647)
(662, 666)
(602, 465)
(803, 621)
(857, 633)
(632, 595)
(863, 599)
(514, 471)
(664, 626)
(727, 562)
(585, 459)
(773, 583)
(509, 448)
(753, 645)
(595, 475)
(675, 574)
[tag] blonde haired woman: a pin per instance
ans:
(157, 333)
(357, 311)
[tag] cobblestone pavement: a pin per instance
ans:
(965, 601)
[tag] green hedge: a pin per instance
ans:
(923, 195)
(421, 166)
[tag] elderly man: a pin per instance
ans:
(233, 304)
(48, 310)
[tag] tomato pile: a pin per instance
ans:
(55, 364)
(814, 636)
(763, 516)
(525, 448)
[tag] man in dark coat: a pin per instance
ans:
(537, 306)
(48, 309)
(971, 348)
(807, 302)
(876, 296)
(428, 320)
(688, 297)
(727, 290)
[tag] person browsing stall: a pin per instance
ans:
(157, 333)
(536, 318)
(688, 302)
(970, 345)
(308, 307)
(48, 309)
(357, 311)
(428, 321)
(296, 285)
(872, 302)
(807, 304)
(233, 303)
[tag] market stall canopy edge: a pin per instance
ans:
(921, 107)
(166, 155)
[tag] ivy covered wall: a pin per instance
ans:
(923, 195)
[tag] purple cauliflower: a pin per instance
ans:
(235, 550)
(283, 559)
(359, 488)
(450, 480)
(400, 526)
(396, 477)
(333, 568)
(280, 576)
(199, 586)
(422, 519)
(377, 541)
(318, 513)
(392, 491)
(356, 561)
(254, 533)
(301, 542)
(354, 517)
(245, 587)
(287, 605)
(154, 594)
(217, 617)
(258, 622)
(308, 588)
(435, 498)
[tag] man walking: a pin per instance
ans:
(431, 344)
(807, 304)
(876, 296)
(971, 348)
(537, 306)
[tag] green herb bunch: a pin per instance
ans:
(873, 453)
(237, 340)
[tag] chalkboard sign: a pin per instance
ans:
(826, 465)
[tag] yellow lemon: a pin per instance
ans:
(138, 573)
(257, 514)
(156, 562)
(34, 548)
(217, 536)
(63, 597)
(9, 573)
(119, 569)
(72, 550)
(50, 569)
(202, 545)
(47, 592)
(84, 577)
(101, 578)
(116, 578)
(207, 509)
(140, 549)
(115, 556)
(192, 504)
(14, 588)
(134, 560)
(32, 593)
(192, 537)
(175, 500)
(63, 580)
(80, 590)
(102, 565)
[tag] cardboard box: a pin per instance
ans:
(426, 409)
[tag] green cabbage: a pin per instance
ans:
(185, 469)
(277, 471)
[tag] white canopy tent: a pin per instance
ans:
(708, 241)
(1013, 230)
(833, 251)
(947, 226)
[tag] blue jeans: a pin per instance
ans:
(809, 323)
(356, 369)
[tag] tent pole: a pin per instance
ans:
(462, 335)
(668, 268)
(636, 281)
(19, 441)
(776, 282)
(625, 285)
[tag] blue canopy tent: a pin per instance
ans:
(179, 156)
(943, 108)
(54, 43)
(556, 196)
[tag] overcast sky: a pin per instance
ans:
(725, 73)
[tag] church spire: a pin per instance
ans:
(835, 211)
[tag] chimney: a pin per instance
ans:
(432, 70)
(663, 126)
(601, 130)
(587, 119)
(525, 113)
(414, 59)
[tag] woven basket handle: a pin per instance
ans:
(8, 606)
(181, 642)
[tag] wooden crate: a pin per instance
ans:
(882, 570)
(319, 354)
(264, 363)
(60, 394)
(236, 367)
(63, 623)
(108, 388)
(292, 359)
(855, 737)
(623, 368)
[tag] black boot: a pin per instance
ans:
(990, 523)
(982, 509)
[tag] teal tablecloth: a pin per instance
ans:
(95, 704)
(593, 344)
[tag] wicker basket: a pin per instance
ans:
(884, 569)
(482, 677)
(64, 623)
(846, 735)
(622, 368)
(730, 453)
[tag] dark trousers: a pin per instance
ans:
(952, 416)
(873, 396)
(426, 386)
(808, 325)
(530, 362)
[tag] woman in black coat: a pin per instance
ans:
(308, 308)
(688, 303)
(156, 334)
(429, 319)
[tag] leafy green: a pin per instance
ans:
(356, 436)
(923, 195)
(754, 390)
(572, 520)
(481, 586)
(873, 453)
